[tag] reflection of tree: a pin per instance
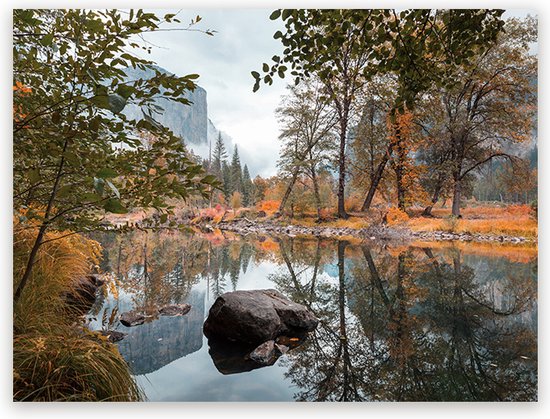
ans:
(410, 327)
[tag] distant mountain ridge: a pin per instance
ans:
(189, 122)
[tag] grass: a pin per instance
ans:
(513, 220)
(55, 358)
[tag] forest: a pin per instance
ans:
(422, 121)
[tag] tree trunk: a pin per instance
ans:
(435, 197)
(377, 178)
(287, 193)
(342, 169)
(316, 192)
(457, 192)
(43, 227)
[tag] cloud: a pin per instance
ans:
(243, 41)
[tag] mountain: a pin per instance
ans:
(188, 122)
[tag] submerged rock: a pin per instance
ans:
(131, 318)
(267, 353)
(175, 310)
(257, 316)
(237, 357)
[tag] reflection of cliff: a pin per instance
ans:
(153, 345)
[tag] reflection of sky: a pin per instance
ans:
(195, 378)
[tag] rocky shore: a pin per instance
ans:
(244, 226)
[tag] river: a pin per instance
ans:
(416, 321)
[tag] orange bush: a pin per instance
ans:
(268, 206)
(395, 216)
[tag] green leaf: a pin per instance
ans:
(34, 175)
(47, 40)
(163, 218)
(115, 206)
(275, 15)
(125, 91)
(255, 74)
(265, 68)
(106, 173)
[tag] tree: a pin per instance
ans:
(236, 172)
(219, 156)
(227, 184)
(344, 48)
(490, 105)
(306, 135)
(248, 187)
(236, 201)
(76, 156)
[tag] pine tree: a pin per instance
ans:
(248, 186)
(218, 157)
(236, 172)
(226, 179)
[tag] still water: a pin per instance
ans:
(425, 321)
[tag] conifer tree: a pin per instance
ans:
(247, 187)
(236, 172)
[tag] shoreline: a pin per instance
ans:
(375, 232)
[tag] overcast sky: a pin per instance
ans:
(243, 41)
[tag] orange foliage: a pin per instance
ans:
(268, 245)
(22, 90)
(395, 216)
(522, 253)
(268, 206)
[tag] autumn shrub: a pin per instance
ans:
(55, 357)
(395, 216)
(269, 206)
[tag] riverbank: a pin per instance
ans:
(55, 356)
(244, 226)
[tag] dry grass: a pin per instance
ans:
(55, 358)
(509, 225)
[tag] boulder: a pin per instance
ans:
(131, 318)
(175, 310)
(257, 316)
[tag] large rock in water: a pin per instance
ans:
(257, 316)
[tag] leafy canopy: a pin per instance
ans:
(421, 47)
(76, 154)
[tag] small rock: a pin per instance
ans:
(175, 310)
(265, 354)
(131, 318)
(113, 335)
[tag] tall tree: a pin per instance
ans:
(236, 172)
(306, 135)
(344, 48)
(219, 155)
(489, 106)
(248, 187)
(70, 88)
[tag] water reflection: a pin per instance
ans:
(417, 322)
